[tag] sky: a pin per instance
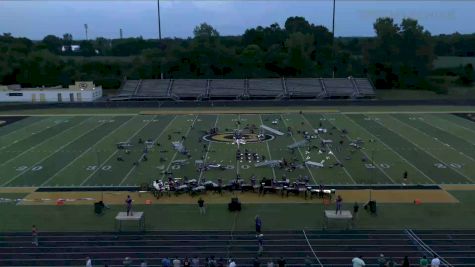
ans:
(35, 19)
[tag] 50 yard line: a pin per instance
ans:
(268, 149)
(207, 150)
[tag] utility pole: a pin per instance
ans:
(120, 33)
(85, 28)
(159, 33)
(333, 40)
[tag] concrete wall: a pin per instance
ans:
(50, 95)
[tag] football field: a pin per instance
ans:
(357, 148)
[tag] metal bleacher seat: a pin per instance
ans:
(340, 88)
(304, 87)
(129, 87)
(365, 87)
(189, 88)
(153, 88)
(265, 88)
(226, 88)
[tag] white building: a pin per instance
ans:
(79, 92)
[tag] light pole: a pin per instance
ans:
(333, 40)
(159, 34)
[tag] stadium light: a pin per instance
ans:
(333, 40)
(159, 26)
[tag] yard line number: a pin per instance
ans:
(34, 168)
(380, 165)
(103, 168)
(440, 165)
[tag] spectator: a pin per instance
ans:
(356, 207)
(195, 262)
(270, 263)
(212, 262)
(232, 263)
(256, 262)
(88, 262)
(127, 262)
(221, 262)
(382, 261)
(201, 205)
(176, 262)
(308, 261)
(186, 262)
(281, 262)
(258, 224)
(358, 262)
(424, 262)
(435, 261)
(390, 262)
(260, 242)
(166, 262)
(405, 262)
(143, 264)
(34, 235)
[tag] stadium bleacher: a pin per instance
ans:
(226, 88)
(153, 88)
(222, 89)
(339, 88)
(304, 88)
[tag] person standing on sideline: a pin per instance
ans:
(176, 262)
(270, 263)
(232, 263)
(424, 262)
(258, 224)
(260, 242)
(356, 208)
(128, 204)
(88, 262)
(358, 262)
(166, 262)
(195, 262)
(143, 264)
(201, 205)
(382, 261)
(435, 261)
(281, 262)
(339, 202)
(405, 262)
(256, 262)
(34, 235)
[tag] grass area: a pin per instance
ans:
(275, 217)
(454, 92)
(81, 150)
(451, 62)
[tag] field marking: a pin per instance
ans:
(328, 148)
(311, 248)
(112, 154)
(372, 160)
(44, 141)
(451, 147)
(238, 167)
(176, 152)
(207, 150)
(54, 152)
(457, 124)
(470, 180)
(300, 152)
(430, 138)
(431, 120)
(268, 150)
(387, 146)
(23, 128)
(87, 150)
(155, 140)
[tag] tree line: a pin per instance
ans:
(400, 55)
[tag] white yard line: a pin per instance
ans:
(23, 128)
(135, 166)
(372, 161)
(388, 147)
(300, 152)
(54, 152)
(113, 153)
(207, 150)
(268, 149)
(445, 145)
(238, 167)
(44, 141)
(421, 148)
(86, 151)
(328, 148)
(176, 152)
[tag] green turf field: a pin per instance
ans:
(74, 150)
